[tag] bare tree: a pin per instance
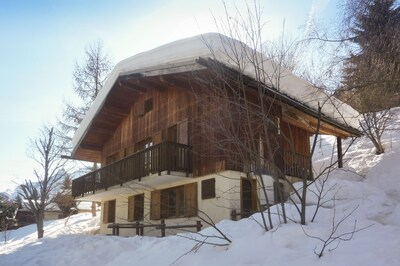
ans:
(240, 115)
(336, 236)
(38, 194)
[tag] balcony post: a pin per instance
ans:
(339, 152)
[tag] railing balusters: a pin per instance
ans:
(166, 156)
(297, 165)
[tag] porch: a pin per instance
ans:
(164, 157)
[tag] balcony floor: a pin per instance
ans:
(128, 188)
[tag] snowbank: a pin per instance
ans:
(369, 185)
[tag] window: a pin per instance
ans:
(180, 201)
(172, 202)
(145, 144)
(208, 188)
(148, 105)
(109, 212)
(136, 208)
(142, 107)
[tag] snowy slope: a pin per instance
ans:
(369, 185)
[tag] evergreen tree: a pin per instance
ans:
(372, 71)
(7, 212)
(88, 79)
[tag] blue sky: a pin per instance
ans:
(41, 41)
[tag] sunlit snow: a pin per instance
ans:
(369, 185)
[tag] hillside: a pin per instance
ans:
(369, 185)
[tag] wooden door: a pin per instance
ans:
(248, 197)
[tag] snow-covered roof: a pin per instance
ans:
(182, 55)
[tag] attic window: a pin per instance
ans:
(148, 105)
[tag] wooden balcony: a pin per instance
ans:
(290, 164)
(297, 165)
(166, 156)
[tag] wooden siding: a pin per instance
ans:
(170, 107)
(173, 115)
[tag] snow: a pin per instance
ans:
(368, 184)
(187, 51)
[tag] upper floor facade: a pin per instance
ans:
(165, 113)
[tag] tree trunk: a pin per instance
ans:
(39, 224)
(93, 209)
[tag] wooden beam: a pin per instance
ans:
(127, 85)
(90, 147)
(339, 152)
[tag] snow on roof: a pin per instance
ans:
(220, 48)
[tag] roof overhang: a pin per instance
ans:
(117, 102)
(327, 124)
(161, 67)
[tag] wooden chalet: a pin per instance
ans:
(157, 162)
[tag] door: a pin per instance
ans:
(248, 197)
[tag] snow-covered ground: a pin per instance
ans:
(369, 185)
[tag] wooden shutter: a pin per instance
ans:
(111, 211)
(254, 195)
(172, 133)
(105, 212)
(138, 108)
(130, 150)
(131, 210)
(138, 208)
(183, 130)
(157, 138)
(155, 205)
(208, 188)
(190, 199)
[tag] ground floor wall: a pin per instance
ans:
(217, 196)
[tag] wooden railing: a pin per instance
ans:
(297, 165)
(291, 164)
(139, 227)
(166, 156)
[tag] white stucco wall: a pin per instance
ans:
(227, 188)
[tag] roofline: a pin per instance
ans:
(284, 98)
(180, 67)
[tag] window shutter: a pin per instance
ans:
(183, 129)
(155, 205)
(130, 150)
(254, 196)
(111, 211)
(105, 212)
(208, 188)
(157, 138)
(138, 108)
(131, 210)
(138, 209)
(190, 199)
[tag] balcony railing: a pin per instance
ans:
(290, 164)
(297, 165)
(166, 156)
